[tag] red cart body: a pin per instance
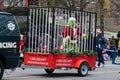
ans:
(58, 60)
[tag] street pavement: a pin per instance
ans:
(109, 72)
(109, 34)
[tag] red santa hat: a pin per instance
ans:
(99, 31)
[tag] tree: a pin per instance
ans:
(117, 4)
(10, 4)
(70, 4)
(116, 10)
(75, 4)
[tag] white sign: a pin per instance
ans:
(8, 45)
(11, 25)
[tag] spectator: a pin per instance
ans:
(107, 43)
(100, 46)
(21, 42)
(118, 43)
(112, 45)
(118, 34)
(105, 55)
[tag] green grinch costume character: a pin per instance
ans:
(71, 34)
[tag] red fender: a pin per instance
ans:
(78, 63)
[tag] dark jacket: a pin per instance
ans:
(118, 34)
(100, 42)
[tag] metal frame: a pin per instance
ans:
(46, 26)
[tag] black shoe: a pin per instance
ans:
(98, 65)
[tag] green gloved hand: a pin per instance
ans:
(85, 36)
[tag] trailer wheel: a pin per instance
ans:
(1, 70)
(83, 69)
(49, 71)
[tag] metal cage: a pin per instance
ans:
(46, 26)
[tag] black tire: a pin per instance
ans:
(83, 69)
(1, 70)
(49, 71)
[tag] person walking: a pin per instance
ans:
(118, 42)
(100, 46)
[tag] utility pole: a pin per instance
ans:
(102, 15)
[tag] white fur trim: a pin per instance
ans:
(72, 18)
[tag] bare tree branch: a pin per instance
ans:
(74, 4)
(14, 3)
(117, 5)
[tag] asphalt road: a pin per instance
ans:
(109, 72)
